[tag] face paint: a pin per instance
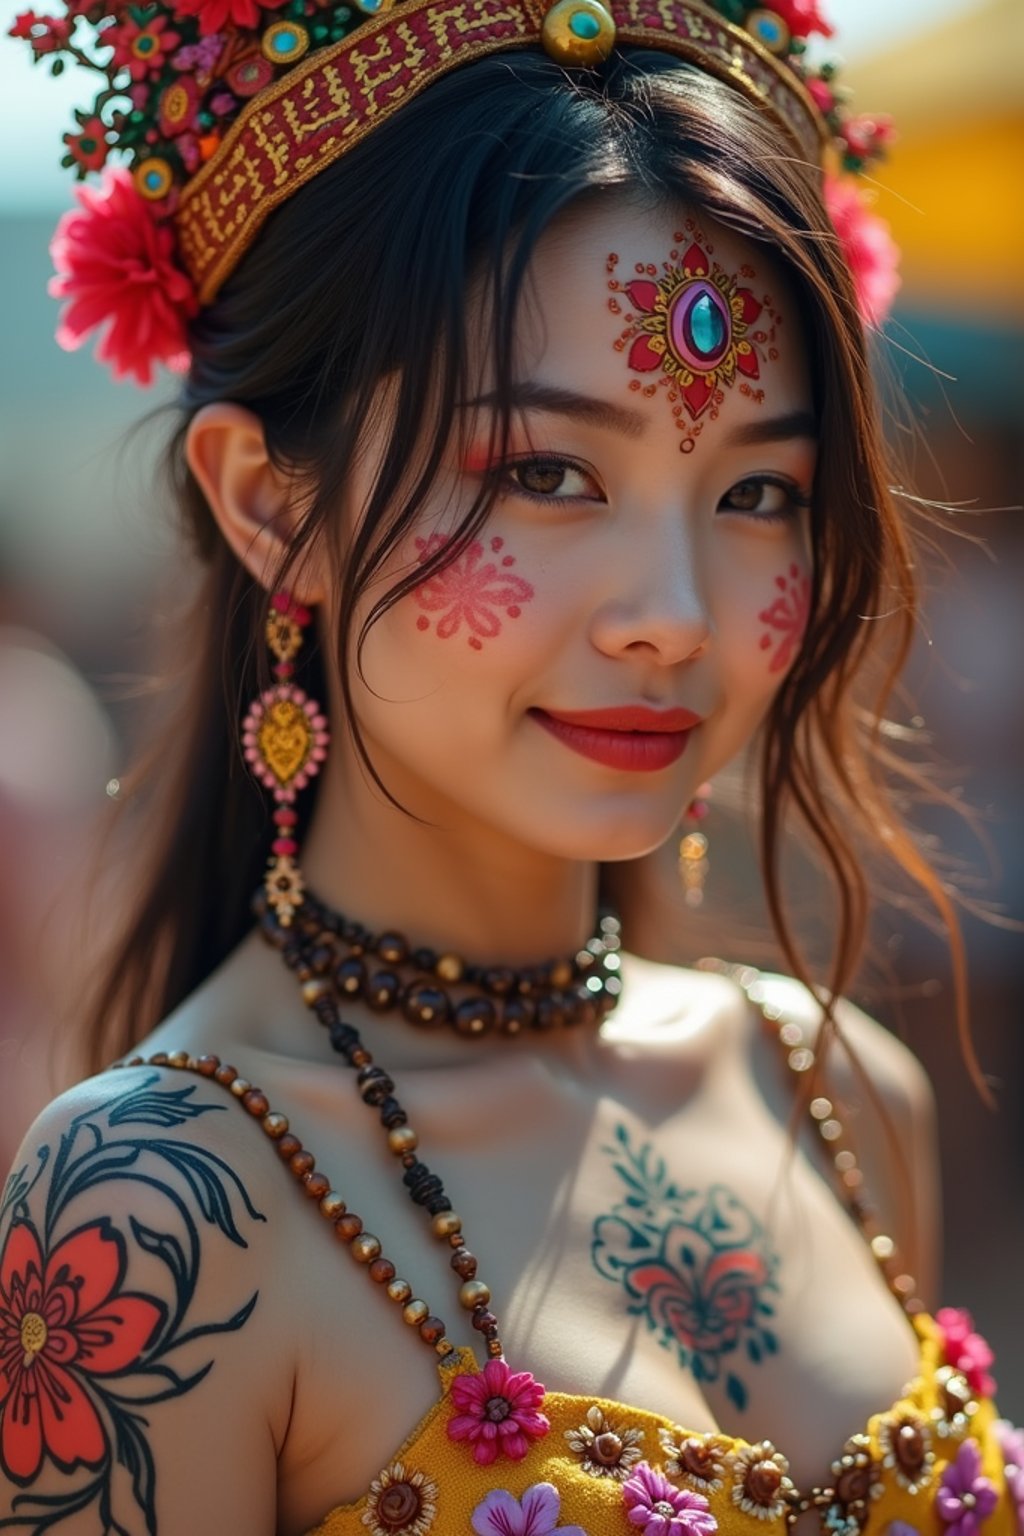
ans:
(469, 593)
(786, 617)
(693, 325)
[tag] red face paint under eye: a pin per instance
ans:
(470, 591)
(786, 617)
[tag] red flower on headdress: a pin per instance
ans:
(802, 17)
(115, 262)
(871, 253)
(88, 147)
(868, 137)
(218, 15)
(141, 50)
(62, 1321)
(46, 34)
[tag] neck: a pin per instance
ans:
(441, 879)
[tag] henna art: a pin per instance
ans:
(80, 1356)
(466, 592)
(695, 1264)
(693, 327)
(787, 615)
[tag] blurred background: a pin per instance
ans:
(88, 563)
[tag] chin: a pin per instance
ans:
(614, 838)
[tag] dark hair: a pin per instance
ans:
(363, 274)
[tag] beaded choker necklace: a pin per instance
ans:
(338, 958)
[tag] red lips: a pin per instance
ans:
(632, 737)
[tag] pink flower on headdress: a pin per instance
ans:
(821, 93)
(115, 262)
(497, 1412)
(871, 253)
(141, 50)
(802, 17)
(46, 34)
(966, 1350)
(868, 137)
(216, 15)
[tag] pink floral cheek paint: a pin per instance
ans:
(473, 596)
(784, 620)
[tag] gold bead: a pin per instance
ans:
(314, 989)
(474, 1294)
(332, 1205)
(579, 34)
(415, 1312)
(882, 1247)
(399, 1290)
(449, 968)
(445, 1223)
(178, 1059)
(365, 1248)
(240, 1086)
(275, 1124)
(561, 974)
(402, 1138)
(444, 1346)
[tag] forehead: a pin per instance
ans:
(657, 307)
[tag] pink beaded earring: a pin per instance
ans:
(693, 848)
(284, 740)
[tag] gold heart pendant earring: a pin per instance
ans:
(284, 741)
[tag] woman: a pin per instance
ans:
(533, 438)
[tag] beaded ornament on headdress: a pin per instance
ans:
(183, 84)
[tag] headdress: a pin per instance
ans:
(218, 110)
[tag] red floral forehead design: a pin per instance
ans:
(695, 327)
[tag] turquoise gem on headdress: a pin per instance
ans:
(769, 29)
(584, 25)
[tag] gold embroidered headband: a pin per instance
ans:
(220, 109)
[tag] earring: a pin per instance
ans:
(284, 741)
(693, 849)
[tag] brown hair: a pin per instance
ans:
(460, 184)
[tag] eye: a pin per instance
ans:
(548, 479)
(769, 498)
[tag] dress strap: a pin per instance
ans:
(828, 1116)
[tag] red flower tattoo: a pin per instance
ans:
(466, 592)
(787, 615)
(62, 1321)
(693, 324)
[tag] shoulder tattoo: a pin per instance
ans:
(83, 1354)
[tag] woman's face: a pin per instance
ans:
(648, 549)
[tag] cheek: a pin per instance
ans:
(782, 620)
(472, 601)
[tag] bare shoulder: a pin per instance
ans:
(137, 1318)
(890, 1107)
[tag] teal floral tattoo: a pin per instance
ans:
(695, 1264)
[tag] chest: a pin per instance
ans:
(655, 1247)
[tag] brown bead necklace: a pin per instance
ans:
(320, 946)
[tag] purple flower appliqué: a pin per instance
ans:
(965, 1497)
(662, 1510)
(536, 1514)
(1011, 1443)
(497, 1412)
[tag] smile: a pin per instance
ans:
(632, 738)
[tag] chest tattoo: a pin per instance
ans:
(694, 1263)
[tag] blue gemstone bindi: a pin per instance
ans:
(706, 325)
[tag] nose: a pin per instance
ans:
(654, 607)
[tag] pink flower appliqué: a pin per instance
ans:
(497, 1412)
(115, 262)
(802, 17)
(965, 1498)
(966, 1350)
(661, 1509)
(871, 253)
(536, 1514)
(787, 616)
(468, 592)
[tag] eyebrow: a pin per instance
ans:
(532, 395)
(775, 429)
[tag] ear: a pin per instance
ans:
(252, 502)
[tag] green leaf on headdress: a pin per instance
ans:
(57, 67)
